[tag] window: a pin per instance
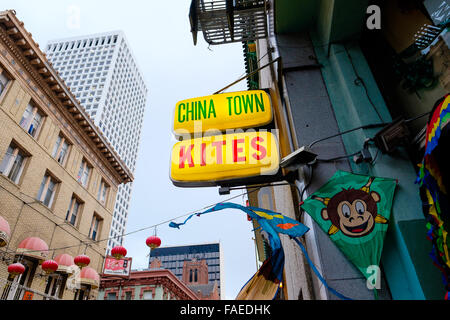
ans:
(83, 173)
(112, 296)
(128, 295)
(95, 227)
(53, 286)
(82, 293)
(47, 190)
(60, 150)
(103, 191)
(4, 80)
(147, 295)
(13, 163)
(32, 120)
(73, 210)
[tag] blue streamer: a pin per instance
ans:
(318, 273)
(177, 225)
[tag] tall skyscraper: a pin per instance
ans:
(174, 258)
(102, 72)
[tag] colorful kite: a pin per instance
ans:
(354, 210)
(433, 192)
(264, 284)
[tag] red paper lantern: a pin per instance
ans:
(153, 242)
(118, 252)
(49, 266)
(16, 269)
(82, 260)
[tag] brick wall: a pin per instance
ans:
(28, 217)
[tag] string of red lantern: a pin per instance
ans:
(157, 243)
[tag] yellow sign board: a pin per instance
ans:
(224, 157)
(243, 109)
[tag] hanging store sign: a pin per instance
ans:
(224, 157)
(243, 109)
(119, 267)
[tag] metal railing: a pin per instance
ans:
(12, 290)
(426, 35)
(226, 21)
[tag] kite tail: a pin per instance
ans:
(339, 295)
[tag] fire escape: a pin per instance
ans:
(227, 21)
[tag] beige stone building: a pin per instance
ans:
(59, 176)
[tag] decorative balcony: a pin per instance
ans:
(227, 21)
(13, 290)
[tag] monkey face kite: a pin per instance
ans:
(351, 211)
(354, 210)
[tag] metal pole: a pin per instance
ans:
(248, 75)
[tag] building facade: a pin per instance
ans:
(104, 76)
(335, 70)
(196, 276)
(59, 175)
(335, 66)
(175, 258)
(145, 285)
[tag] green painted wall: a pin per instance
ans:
(407, 266)
(408, 270)
(294, 15)
(334, 20)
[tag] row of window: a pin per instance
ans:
(12, 167)
(203, 255)
(79, 53)
(146, 295)
(179, 274)
(79, 59)
(83, 43)
(15, 158)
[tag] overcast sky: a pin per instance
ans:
(174, 69)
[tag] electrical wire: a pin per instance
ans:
(361, 80)
(418, 117)
(375, 158)
(248, 75)
(90, 242)
(279, 46)
(260, 186)
(368, 126)
(309, 182)
(339, 157)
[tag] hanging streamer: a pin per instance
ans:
(264, 284)
(313, 267)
